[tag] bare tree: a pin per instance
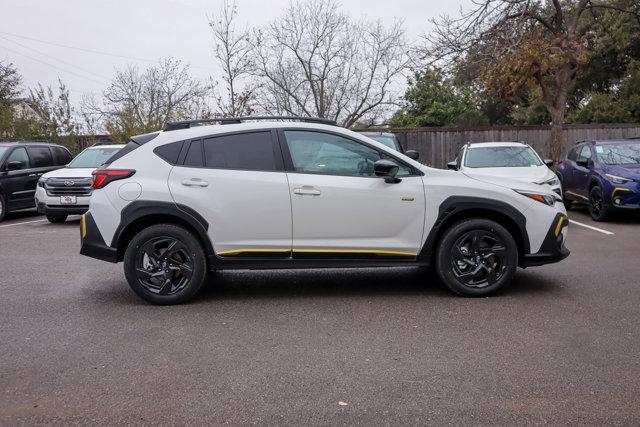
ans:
(232, 49)
(316, 61)
(138, 102)
(521, 44)
(56, 115)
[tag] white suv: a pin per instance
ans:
(248, 194)
(67, 191)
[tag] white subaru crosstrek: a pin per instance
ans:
(506, 160)
(302, 193)
(67, 191)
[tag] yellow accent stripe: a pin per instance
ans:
(559, 226)
(323, 251)
(613, 193)
(577, 195)
(83, 227)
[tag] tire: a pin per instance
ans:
(3, 207)
(476, 269)
(56, 218)
(568, 204)
(597, 210)
(162, 278)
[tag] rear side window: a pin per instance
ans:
(40, 157)
(246, 151)
(169, 152)
(194, 155)
(61, 156)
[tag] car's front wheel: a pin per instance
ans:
(476, 257)
(56, 218)
(596, 204)
(165, 264)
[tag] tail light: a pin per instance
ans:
(102, 177)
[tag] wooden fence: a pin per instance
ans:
(437, 146)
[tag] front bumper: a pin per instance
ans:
(46, 204)
(623, 196)
(553, 248)
(91, 242)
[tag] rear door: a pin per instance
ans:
(237, 183)
(341, 209)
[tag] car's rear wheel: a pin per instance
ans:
(165, 264)
(476, 257)
(3, 207)
(56, 218)
(596, 204)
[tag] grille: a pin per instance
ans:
(61, 187)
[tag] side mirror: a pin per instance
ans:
(548, 162)
(452, 165)
(412, 154)
(14, 166)
(386, 169)
(582, 162)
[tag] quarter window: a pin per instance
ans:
(194, 155)
(40, 156)
(61, 156)
(244, 151)
(20, 155)
(328, 154)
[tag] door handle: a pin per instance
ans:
(307, 190)
(32, 174)
(194, 182)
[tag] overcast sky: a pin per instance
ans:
(33, 33)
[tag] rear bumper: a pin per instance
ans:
(91, 242)
(553, 248)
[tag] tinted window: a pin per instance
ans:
(194, 155)
(40, 157)
(3, 150)
(61, 156)
(585, 153)
(169, 152)
(93, 157)
(501, 157)
(323, 153)
(20, 155)
(248, 151)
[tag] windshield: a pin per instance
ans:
(619, 154)
(501, 157)
(389, 141)
(93, 157)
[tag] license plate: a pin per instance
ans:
(68, 200)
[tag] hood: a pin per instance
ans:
(523, 174)
(625, 171)
(69, 173)
(514, 184)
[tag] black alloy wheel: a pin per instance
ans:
(165, 264)
(476, 257)
(596, 204)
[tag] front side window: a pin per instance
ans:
(585, 153)
(328, 154)
(20, 155)
(40, 157)
(501, 157)
(3, 150)
(93, 157)
(619, 154)
(243, 151)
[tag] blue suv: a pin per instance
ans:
(603, 174)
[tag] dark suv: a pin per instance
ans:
(603, 174)
(21, 165)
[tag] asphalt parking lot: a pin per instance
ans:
(387, 346)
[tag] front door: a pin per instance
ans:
(341, 209)
(237, 183)
(20, 184)
(581, 173)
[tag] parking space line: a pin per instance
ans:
(20, 223)
(600, 230)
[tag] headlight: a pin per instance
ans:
(41, 182)
(547, 199)
(617, 179)
(553, 181)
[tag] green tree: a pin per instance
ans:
(10, 88)
(432, 100)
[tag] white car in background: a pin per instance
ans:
(497, 161)
(66, 191)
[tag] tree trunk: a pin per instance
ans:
(557, 135)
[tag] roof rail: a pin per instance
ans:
(186, 124)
